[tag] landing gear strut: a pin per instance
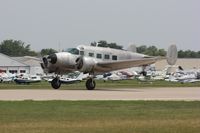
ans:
(144, 73)
(55, 83)
(90, 84)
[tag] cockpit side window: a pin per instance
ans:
(73, 51)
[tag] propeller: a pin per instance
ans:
(45, 61)
(49, 59)
(79, 62)
(52, 58)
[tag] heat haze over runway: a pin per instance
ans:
(164, 93)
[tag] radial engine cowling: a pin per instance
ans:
(85, 64)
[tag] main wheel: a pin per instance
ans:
(55, 83)
(90, 84)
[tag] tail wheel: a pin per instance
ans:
(90, 84)
(144, 73)
(56, 83)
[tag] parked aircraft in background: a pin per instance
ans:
(96, 60)
(5, 78)
(67, 80)
(27, 79)
(184, 76)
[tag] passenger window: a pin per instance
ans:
(81, 52)
(91, 54)
(106, 56)
(99, 56)
(22, 71)
(114, 57)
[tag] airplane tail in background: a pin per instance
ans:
(172, 55)
(132, 48)
(172, 58)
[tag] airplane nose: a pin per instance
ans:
(52, 58)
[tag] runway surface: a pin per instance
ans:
(186, 94)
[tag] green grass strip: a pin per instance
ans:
(99, 117)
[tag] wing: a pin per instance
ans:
(116, 65)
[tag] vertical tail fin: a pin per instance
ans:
(172, 54)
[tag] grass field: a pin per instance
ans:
(99, 116)
(100, 84)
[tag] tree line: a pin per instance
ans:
(151, 50)
(20, 48)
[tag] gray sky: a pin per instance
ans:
(68, 23)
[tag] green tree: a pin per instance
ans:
(198, 54)
(141, 49)
(103, 43)
(162, 52)
(181, 54)
(115, 46)
(152, 51)
(16, 48)
(47, 51)
(93, 44)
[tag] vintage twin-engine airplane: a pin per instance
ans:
(95, 60)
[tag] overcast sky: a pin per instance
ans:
(60, 24)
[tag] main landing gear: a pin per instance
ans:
(55, 83)
(90, 83)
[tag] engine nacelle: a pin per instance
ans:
(85, 64)
(59, 63)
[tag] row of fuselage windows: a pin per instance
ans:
(100, 56)
(14, 71)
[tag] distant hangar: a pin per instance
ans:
(26, 64)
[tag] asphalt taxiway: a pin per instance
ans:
(165, 93)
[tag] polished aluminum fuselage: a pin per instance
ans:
(67, 62)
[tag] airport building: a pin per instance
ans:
(32, 62)
(19, 65)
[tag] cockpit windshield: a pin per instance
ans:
(73, 51)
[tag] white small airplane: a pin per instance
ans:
(67, 80)
(96, 60)
(27, 79)
(5, 78)
(183, 76)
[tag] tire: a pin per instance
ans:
(90, 84)
(55, 83)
